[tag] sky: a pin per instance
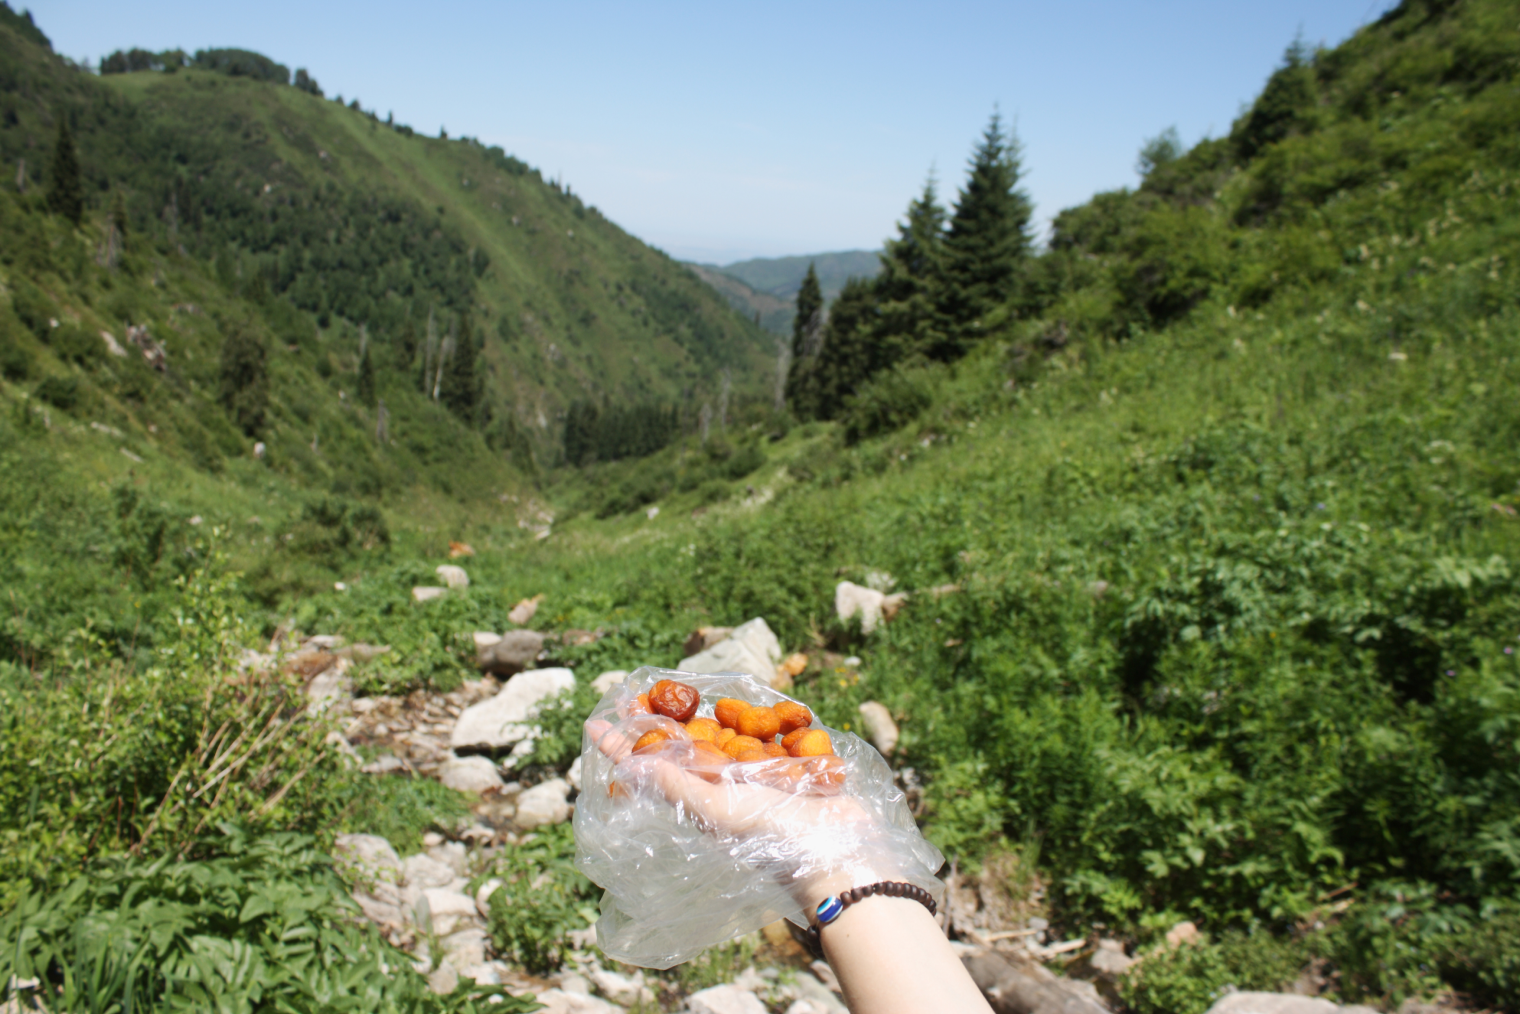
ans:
(723, 131)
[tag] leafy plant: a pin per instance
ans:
(542, 899)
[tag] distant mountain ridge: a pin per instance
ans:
(765, 288)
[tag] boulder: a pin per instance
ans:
(545, 803)
(1028, 988)
(423, 872)
(705, 637)
(623, 989)
(483, 896)
(751, 648)
(369, 856)
(1272, 1003)
(510, 653)
(522, 614)
(443, 980)
(503, 720)
(851, 600)
(452, 575)
(330, 686)
(484, 639)
(879, 726)
(573, 776)
(465, 947)
(557, 1001)
(1182, 933)
(470, 774)
(728, 999)
(609, 679)
(452, 854)
(445, 911)
(427, 593)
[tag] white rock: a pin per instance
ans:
(1109, 959)
(607, 680)
(443, 980)
(487, 973)
(465, 947)
(808, 1007)
(545, 803)
(879, 726)
(807, 989)
(329, 687)
(112, 345)
(524, 611)
(500, 722)
(623, 989)
(422, 871)
(851, 600)
(1272, 1003)
(483, 896)
(447, 911)
(574, 982)
(452, 575)
(370, 855)
(432, 840)
(1185, 932)
(725, 1000)
(452, 854)
(470, 774)
(752, 648)
(379, 911)
(573, 776)
(384, 765)
(557, 1001)
(426, 593)
(484, 639)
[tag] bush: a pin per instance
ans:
(888, 401)
(76, 345)
(1484, 960)
(59, 392)
(1188, 979)
(543, 898)
(33, 308)
(401, 809)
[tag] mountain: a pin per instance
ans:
(768, 285)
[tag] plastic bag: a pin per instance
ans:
(673, 888)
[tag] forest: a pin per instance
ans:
(1206, 511)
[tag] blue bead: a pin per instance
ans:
(828, 910)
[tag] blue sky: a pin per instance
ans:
(723, 131)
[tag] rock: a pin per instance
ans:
(1109, 960)
(879, 726)
(511, 653)
(443, 980)
(574, 982)
(484, 639)
(465, 948)
(545, 803)
(383, 912)
(623, 989)
(368, 855)
(852, 600)
(825, 975)
(487, 973)
(423, 872)
(806, 989)
(1027, 988)
(452, 854)
(557, 1001)
(446, 911)
(891, 605)
(1182, 933)
(363, 654)
(427, 593)
(503, 720)
(609, 679)
(1272, 1003)
(751, 648)
(573, 776)
(452, 575)
(724, 1000)
(384, 765)
(483, 896)
(522, 614)
(470, 774)
(330, 686)
(705, 637)
(808, 1007)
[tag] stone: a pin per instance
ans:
(511, 653)
(443, 980)
(504, 719)
(330, 686)
(483, 896)
(1109, 959)
(609, 679)
(824, 973)
(795, 664)
(470, 774)
(545, 803)
(446, 911)
(624, 989)
(382, 912)
(751, 648)
(452, 854)
(384, 765)
(1029, 988)
(522, 614)
(728, 999)
(362, 653)
(557, 1001)
(484, 639)
(574, 982)
(465, 948)
(112, 345)
(806, 989)
(879, 726)
(452, 575)
(423, 871)
(573, 776)
(427, 593)
(1272, 1003)
(369, 856)
(1183, 933)
(808, 1007)
(703, 638)
(892, 604)
(852, 600)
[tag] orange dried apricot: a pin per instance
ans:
(651, 740)
(793, 716)
(728, 710)
(704, 752)
(825, 775)
(639, 705)
(773, 749)
(792, 737)
(723, 736)
(760, 722)
(674, 700)
(813, 743)
(703, 729)
(738, 744)
(752, 754)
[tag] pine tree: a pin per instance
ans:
(908, 287)
(987, 243)
(66, 197)
(366, 382)
(807, 340)
(460, 386)
(852, 349)
(245, 384)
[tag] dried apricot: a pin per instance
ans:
(674, 700)
(825, 775)
(773, 749)
(752, 754)
(759, 722)
(728, 710)
(792, 737)
(703, 729)
(734, 747)
(813, 743)
(704, 752)
(793, 716)
(639, 705)
(723, 736)
(651, 740)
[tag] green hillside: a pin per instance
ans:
(768, 285)
(1208, 517)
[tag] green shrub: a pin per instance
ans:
(1188, 979)
(543, 898)
(59, 392)
(1484, 960)
(402, 808)
(33, 308)
(76, 345)
(888, 401)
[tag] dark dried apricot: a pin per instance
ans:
(674, 700)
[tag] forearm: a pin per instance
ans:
(890, 956)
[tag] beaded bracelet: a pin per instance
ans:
(831, 908)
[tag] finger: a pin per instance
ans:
(615, 744)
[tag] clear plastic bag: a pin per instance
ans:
(674, 887)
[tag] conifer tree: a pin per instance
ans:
(908, 287)
(66, 197)
(460, 386)
(366, 382)
(807, 339)
(244, 379)
(852, 350)
(987, 243)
